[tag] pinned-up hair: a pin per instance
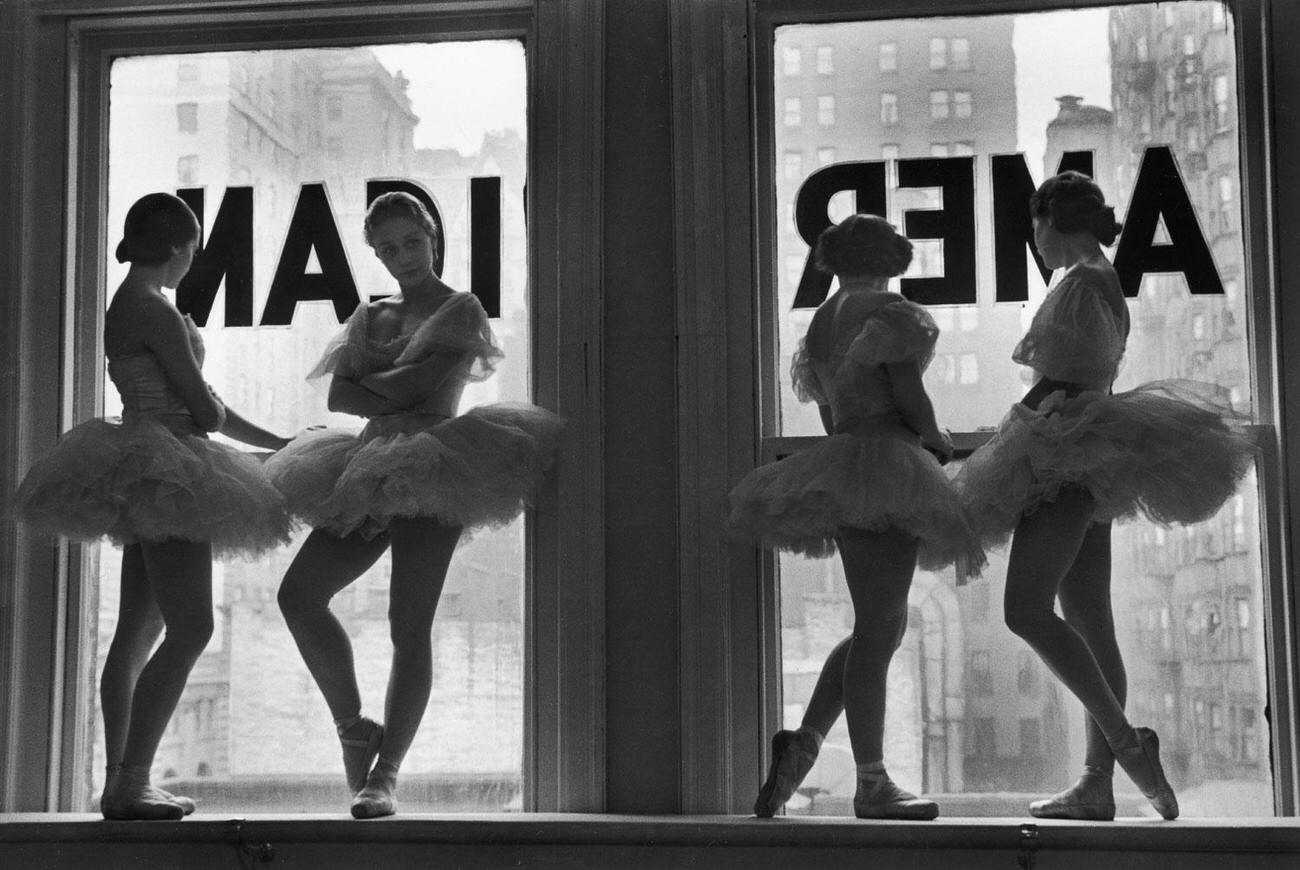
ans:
(1075, 204)
(155, 226)
(863, 244)
(398, 204)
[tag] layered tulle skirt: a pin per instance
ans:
(139, 481)
(480, 469)
(1172, 451)
(872, 482)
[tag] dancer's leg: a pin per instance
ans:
(139, 624)
(1043, 551)
(180, 579)
(878, 567)
(180, 575)
(422, 551)
(827, 700)
(795, 752)
(1044, 548)
(1084, 594)
(1086, 607)
(324, 566)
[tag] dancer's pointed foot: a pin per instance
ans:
(128, 795)
(1139, 754)
(379, 796)
(360, 738)
(187, 805)
(1091, 798)
(793, 755)
(879, 797)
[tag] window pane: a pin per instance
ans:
(252, 732)
(888, 57)
(825, 60)
(969, 716)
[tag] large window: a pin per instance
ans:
(298, 139)
(968, 713)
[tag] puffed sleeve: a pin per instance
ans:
(345, 353)
(803, 377)
(462, 325)
(1074, 337)
(897, 332)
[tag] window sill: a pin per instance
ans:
(72, 839)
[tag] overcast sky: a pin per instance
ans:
(442, 74)
(1056, 53)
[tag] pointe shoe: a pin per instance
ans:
(1092, 798)
(793, 755)
(129, 795)
(187, 805)
(360, 750)
(377, 799)
(1142, 763)
(144, 805)
(879, 797)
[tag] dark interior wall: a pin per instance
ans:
(642, 717)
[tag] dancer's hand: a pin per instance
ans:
(941, 447)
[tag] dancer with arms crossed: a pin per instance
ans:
(415, 478)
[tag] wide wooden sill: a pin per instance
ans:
(580, 840)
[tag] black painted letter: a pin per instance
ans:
(1013, 228)
(312, 226)
(954, 224)
(1159, 192)
(867, 181)
(227, 253)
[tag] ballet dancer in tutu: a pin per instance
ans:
(1070, 458)
(873, 489)
(155, 484)
(415, 477)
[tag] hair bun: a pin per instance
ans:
(863, 244)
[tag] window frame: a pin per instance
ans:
(564, 634)
(1256, 25)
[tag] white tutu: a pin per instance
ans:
(871, 482)
(138, 481)
(1165, 450)
(479, 469)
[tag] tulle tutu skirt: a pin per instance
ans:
(480, 469)
(1171, 451)
(871, 482)
(139, 481)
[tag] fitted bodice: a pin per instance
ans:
(852, 377)
(147, 393)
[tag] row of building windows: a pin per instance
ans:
(945, 53)
(944, 104)
(792, 164)
(1186, 101)
(1204, 631)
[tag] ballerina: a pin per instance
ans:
(1070, 458)
(873, 489)
(413, 480)
(156, 485)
